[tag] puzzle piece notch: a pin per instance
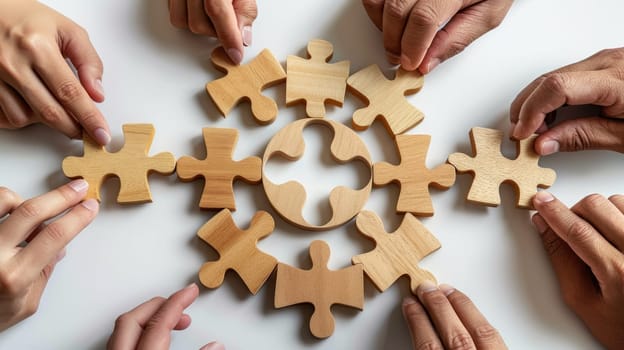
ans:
(386, 99)
(316, 81)
(320, 287)
(237, 250)
(219, 170)
(245, 82)
(396, 254)
(131, 165)
(491, 168)
(413, 176)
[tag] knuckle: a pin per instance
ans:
(30, 209)
(592, 202)
(486, 333)
(372, 4)
(424, 15)
(55, 232)
(552, 243)
(11, 283)
(579, 231)
(6, 195)
(554, 82)
(69, 91)
(19, 121)
(414, 312)
(459, 299)
(428, 345)
(580, 139)
(461, 341)
(247, 9)
(50, 114)
(456, 47)
(616, 198)
(614, 54)
(32, 42)
(123, 320)
(397, 9)
(435, 298)
(90, 118)
(214, 8)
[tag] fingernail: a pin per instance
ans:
(213, 346)
(235, 55)
(543, 197)
(512, 128)
(79, 185)
(539, 223)
(549, 147)
(446, 289)
(101, 136)
(425, 287)
(432, 64)
(99, 87)
(247, 36)
(392, 58)
(516, 132)
(190, 286)
(91, 204)
(409, 300)
(61, 255)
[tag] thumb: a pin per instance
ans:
(582, 134)
(246, 13)
(77, 47)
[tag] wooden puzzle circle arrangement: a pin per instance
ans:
(315, 81)
(288, 199)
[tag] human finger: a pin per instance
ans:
(394, 20)
(618, 201)
(246, 14)
(129, 326)
(583, 239)
(573, 88)
(31, 213)
(36, 291)
(571, 271)
(15, 110)
(483, 334)
(9, 200)
(419, 325)
(224, 19)
(178, 13)
(374, 9)
(602, 214)
(582, 134)
(198, 20)
(157, 334)
(451, 331)
(54, 237)
(465, 27)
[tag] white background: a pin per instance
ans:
(156, 74)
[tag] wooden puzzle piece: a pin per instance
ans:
(219, 170)
(490, 168)
(289, 198)
(413, 176)
(131, 165)
(396, 254)
(316, 81)
(386, 98)
(320, 287)
(237, 250)
(245, 82)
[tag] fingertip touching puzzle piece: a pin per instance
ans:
(413, 176)
(316, 81)
(131, 165)
(386, 98)
(320, 287)
(395, 254)
(218, 169)
(245, 82)
(237, 250)
(491, 168)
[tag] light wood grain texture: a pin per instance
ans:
(131, 165)
(237, 250)
(245, 82)
(413, 176)
(490, 168)
(396, 254)
(320, 287)
(314, 81)
(219, 170)
(386, 99)
(289, 198)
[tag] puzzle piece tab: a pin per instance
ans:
(316, 81)
(131, 165)
(491, 168)
(219, 170)
(245, 82)
(397, 253)
(386, 98)
(237, 250)
(413, 176)
(320, 287)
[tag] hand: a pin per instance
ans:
(37, 84)
(149, 325)
(411, 28)
(31, 245)
(585, 245)
(228, 20)
(596, 80)
(445, 318)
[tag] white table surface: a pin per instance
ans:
(156, 74)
